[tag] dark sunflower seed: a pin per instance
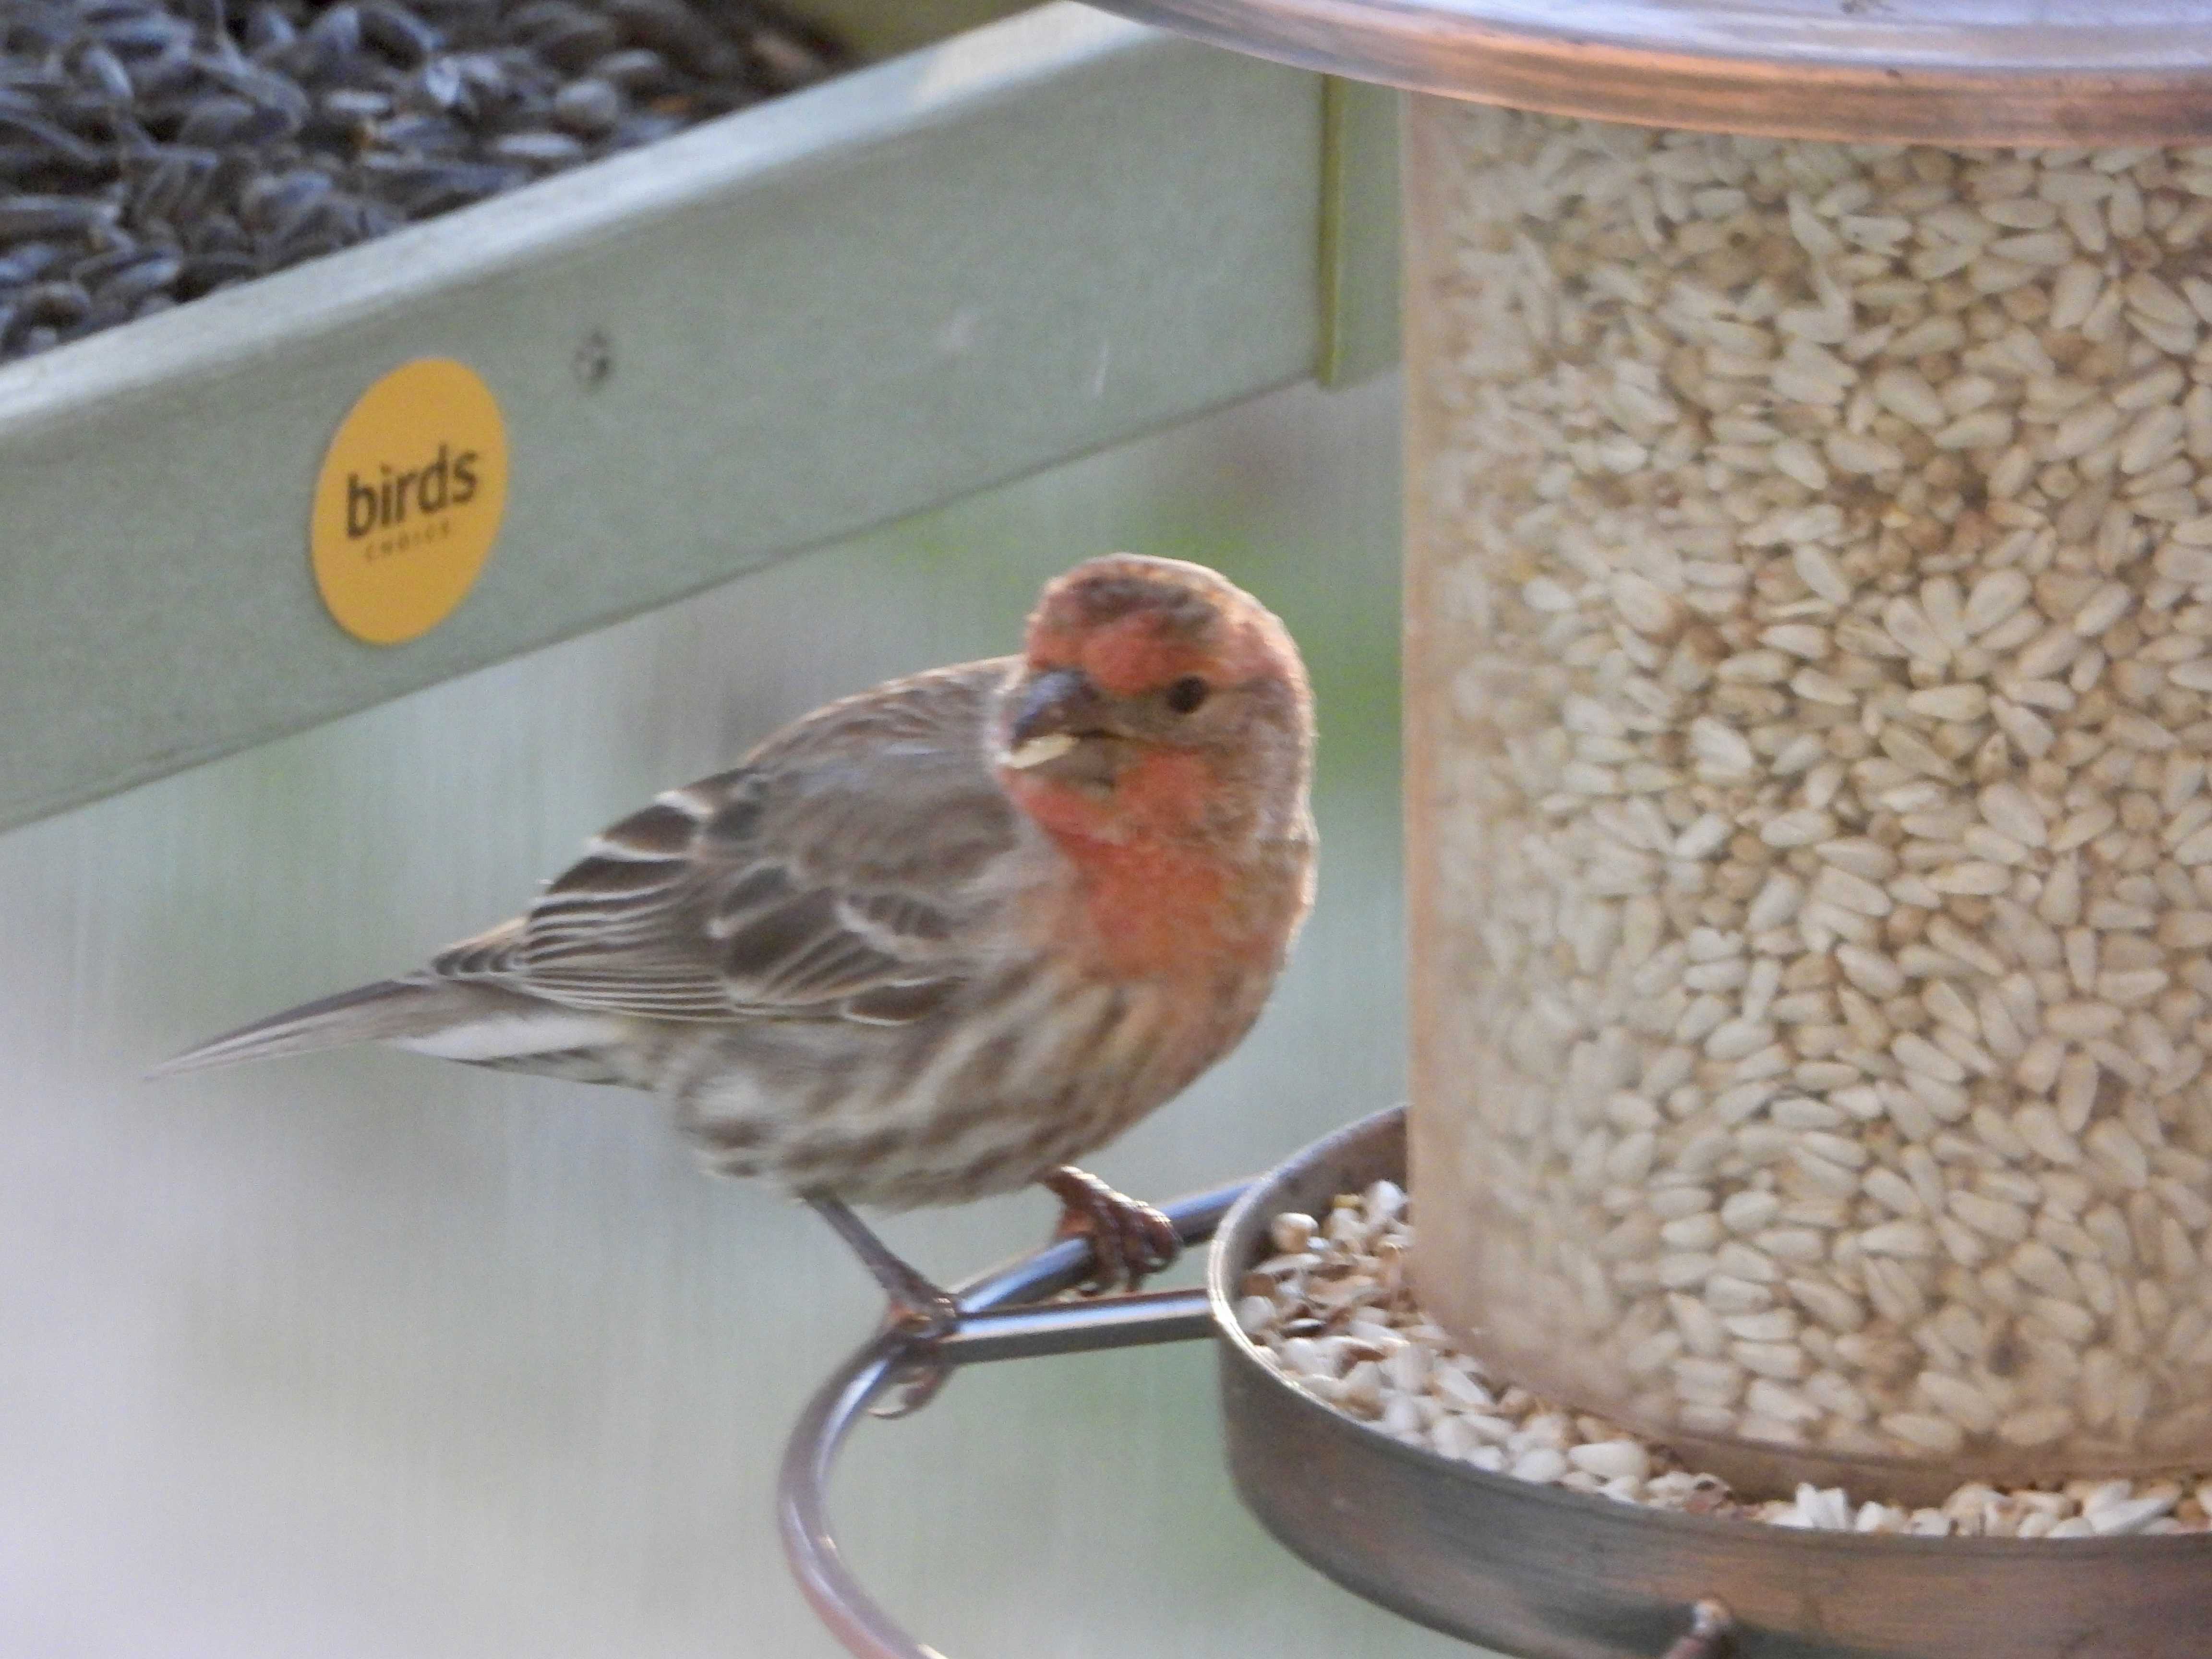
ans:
(26, 262)
(23, 218)
(141, 32)
(669, 26)
(234, 169)
(268, 30)
(267, 91)
(206, 272)
(82, 111)
(639, 71)
(421, 135)
(218, 119)
(326, 47)
(59, 303)
(398, 33)
(129, 137)
(788, 61)
(151, 275)
(418, 188)
(589, 108)
(300, 249)
(647, 127)
(216, 233)
(64, 146)
(538, 150)
(103, 71)
(566, 35)
(173, 184)
(172, 74)
(154, 150)
(94, 268)
(356, 103)
(277, 200)
(35, 166)
(442, 88)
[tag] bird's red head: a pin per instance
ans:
(1154, 697)
(1136, 625)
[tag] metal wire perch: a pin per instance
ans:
(999, 1319)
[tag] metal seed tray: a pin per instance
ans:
(1529, 1569)
(766, 332)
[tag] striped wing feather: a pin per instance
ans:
(828, 876)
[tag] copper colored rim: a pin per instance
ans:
(1851, 74)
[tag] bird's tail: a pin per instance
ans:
(389, 1009)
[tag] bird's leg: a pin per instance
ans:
(1129, 1240)
(917, 1306)
(919, 1310)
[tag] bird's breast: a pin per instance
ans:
(1179, 917)
(1150, 913)
(1150, 884)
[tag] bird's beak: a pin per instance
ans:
(1048, 714)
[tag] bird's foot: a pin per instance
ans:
(921, 1315)
(916, 1309)
(1129, 1240)
(920, 1311)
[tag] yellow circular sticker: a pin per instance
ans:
(409, 501)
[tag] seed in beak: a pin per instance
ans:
(1039, 750)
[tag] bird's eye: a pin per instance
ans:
(1187, 693)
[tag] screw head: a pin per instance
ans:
(594, 361)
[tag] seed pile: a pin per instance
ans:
(1330, 1311)
(150, 153)
(1819, 543)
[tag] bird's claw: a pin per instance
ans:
(1129, 1239)
(913, 1383)
(921, 1318)
(925, 1318)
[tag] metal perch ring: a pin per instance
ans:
(1003, 1316)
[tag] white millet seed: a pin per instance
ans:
(1818, 541)
(1427, 1394)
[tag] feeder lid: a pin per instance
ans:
(1945, 72)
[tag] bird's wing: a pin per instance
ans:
(831, 876)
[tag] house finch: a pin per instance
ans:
(930, 942)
